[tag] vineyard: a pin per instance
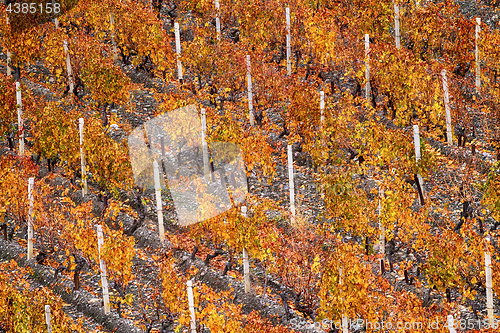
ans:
(249, 166)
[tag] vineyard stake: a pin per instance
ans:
(68, 68)
(478, 65)
(191, 305)
(56, 21)
(82, 160)
(288, 43)
(159, 208)
(489, 284)
(178, 50)
(344, 318)
(367, 65)
(206, 169)
(322, 119)
(115, 51)
(416, 138)
(31, 185)
(246, 266)
(102, 266)
(396, 26)
(322, 106)
(451, 328)
(420, 185)
(20, 123)
(47, 318)
(250, 93)
(382, 233)
(290, 184)
(447, 107)
(246, 270)
(217, 19)
(9, 70)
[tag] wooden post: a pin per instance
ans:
(191, 305)
(382, 233)
(206, 167)
(450, 323)
(489, 283)
(82, 160)
(178, 50)
(416, 139)
(113, 42)
(56, 21)
(250, 93)
(246, 270)
(345, 325)
(447, 107)
(478, 65)
(217, 19)
(20, 122)
(68, 68)
(290, 184)
(159, 208)
(420, 185)
(322, 106)
(397, 33)
(47, 318)
(102, 266)
(246, 265)
(367, 65)
(9, 70)
(31, 185)
(288, 42)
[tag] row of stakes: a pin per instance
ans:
(159, 208)
(249, 76)
(205, 159)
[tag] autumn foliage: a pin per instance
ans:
(327, 264)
